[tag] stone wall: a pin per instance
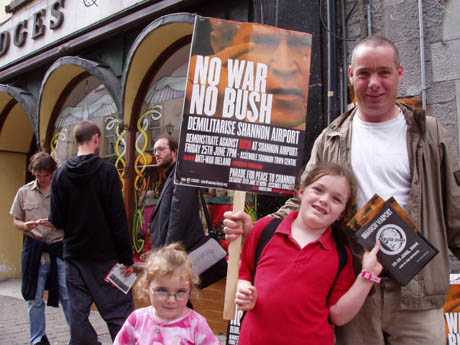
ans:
(399, 21)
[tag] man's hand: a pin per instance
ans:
(30, 225)
(236, 224)
(45, 222)
(246, 295)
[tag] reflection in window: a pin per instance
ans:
(160, 113)
(89, 100)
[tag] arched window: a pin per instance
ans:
(88, 100)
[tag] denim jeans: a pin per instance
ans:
(36, 307)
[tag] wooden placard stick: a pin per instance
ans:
(234, 253)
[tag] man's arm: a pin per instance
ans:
(57, 215)
(451, 192)
(18, 213)
(25, 227)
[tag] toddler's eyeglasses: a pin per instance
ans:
(163, 294)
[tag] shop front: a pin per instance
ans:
(131, 84)
(122, 64)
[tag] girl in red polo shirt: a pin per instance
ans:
(299, 291)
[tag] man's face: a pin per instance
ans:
(43, 178)
(375, 76)
(163, 154)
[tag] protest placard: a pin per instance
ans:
(245, 108)
(452, 310)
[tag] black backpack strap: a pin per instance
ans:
(340, 243)
(266, 236)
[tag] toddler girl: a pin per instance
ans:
(168, 281)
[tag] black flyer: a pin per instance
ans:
(404, 251)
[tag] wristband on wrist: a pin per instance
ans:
(370, 276)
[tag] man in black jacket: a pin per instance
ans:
(176, 217)
(86, 202)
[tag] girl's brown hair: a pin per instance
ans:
(166, 261)
(333, 169)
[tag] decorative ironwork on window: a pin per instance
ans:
(161, 113)
(89, 100)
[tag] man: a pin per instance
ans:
(395, 151)
(42, 263)
(86, 202)
(176, 217)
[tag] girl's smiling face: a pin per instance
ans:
(323, 201)
(169, 296)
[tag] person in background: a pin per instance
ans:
(86, 201)
(168, 281)
(393, 151)
(42, 263)
(176, 217)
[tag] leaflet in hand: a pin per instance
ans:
(404, 251)
(206, 255)
(119, 279)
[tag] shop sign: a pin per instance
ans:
(45, 23)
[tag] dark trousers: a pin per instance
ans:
(85, 283)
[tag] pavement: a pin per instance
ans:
(14, 320)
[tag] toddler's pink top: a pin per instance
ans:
(143, 328)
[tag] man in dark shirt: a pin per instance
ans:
(86, 202)
(176, 217)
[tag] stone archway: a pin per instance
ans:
(17, 137)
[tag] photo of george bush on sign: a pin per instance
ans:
(249, 72)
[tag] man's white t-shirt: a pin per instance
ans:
(380, 160)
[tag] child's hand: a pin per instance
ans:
(236, 224)
(246, 295)
(370, 262)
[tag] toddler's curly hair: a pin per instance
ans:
(166, 261)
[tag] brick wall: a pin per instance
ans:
(210, 303)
